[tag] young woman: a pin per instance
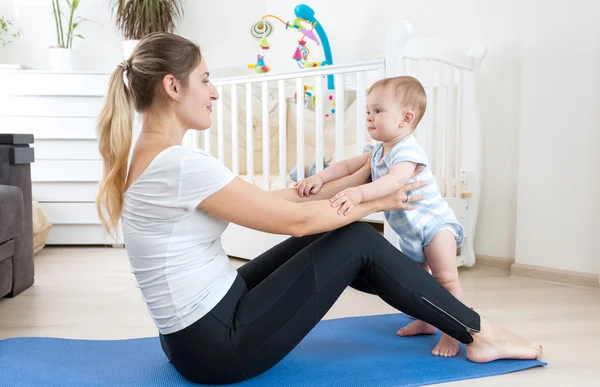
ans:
(217, 324)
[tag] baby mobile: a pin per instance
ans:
(307, 25)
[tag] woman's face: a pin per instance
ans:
(196, 102)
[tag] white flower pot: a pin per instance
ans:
(61, 59)
(128, 47)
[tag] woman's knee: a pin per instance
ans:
(361, 228)
(360, 237)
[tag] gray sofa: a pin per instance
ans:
(16, 233)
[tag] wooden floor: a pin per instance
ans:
(90, 293)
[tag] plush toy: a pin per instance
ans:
(260, 66)
(309, 171)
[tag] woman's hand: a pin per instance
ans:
(399, 200)
(363, 175)
(360, 177)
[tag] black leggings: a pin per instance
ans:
(281, 295)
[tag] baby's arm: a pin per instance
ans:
(397, 176)
(312, 184)
(343, 168)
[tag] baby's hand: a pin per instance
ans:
(347, 199)
(310, 185)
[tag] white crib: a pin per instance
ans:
(261, 133)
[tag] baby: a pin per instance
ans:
(430, 234)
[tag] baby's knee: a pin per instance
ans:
(446, 277)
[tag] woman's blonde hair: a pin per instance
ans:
(158, 54)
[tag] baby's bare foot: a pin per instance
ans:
(417, 328)
(495, 342)
(447, 346)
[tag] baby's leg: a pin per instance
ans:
(441, 263)
(441, 256)
(425, 267)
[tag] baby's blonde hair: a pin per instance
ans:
(409, 93)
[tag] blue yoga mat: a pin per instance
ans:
(355, 351)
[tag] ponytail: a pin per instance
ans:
(115, 127)
(156, 55)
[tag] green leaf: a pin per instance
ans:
(79, 36)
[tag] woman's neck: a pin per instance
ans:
(166, 124)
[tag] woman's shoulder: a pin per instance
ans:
(163, 163)
(180, 175)
(178, 156)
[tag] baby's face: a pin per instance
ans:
(384, 115)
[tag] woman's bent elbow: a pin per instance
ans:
(298, 230)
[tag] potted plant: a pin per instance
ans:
(137, 18)
(8, 33)
(60, 54)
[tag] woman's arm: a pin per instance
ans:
(252, 207)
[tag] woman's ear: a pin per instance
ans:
(172, 87)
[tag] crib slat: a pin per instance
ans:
(361, 122)
(459, 123)
(220, 134)
(266, 136)
(194, 138)
(419, 134)
(340, 108)
(449, 132)
(427, 130)
(410, 67)
(249, 135)
(405, 66)
(282, 134)
(207, 140)
(319, 123)
(444, 127)
(234, 131)
(300, 128)
(439, 143)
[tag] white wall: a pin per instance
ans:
(558, 153)
(217, 27)
(523, 132)
(99, 51)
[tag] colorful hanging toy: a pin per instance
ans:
(308, 96)
(306, 24)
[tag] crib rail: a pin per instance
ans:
(443, 129)
(370, 65)
(268, 125)
(291, 119)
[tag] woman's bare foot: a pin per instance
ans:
(417, 327)
(495, 342)
(447, 346)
